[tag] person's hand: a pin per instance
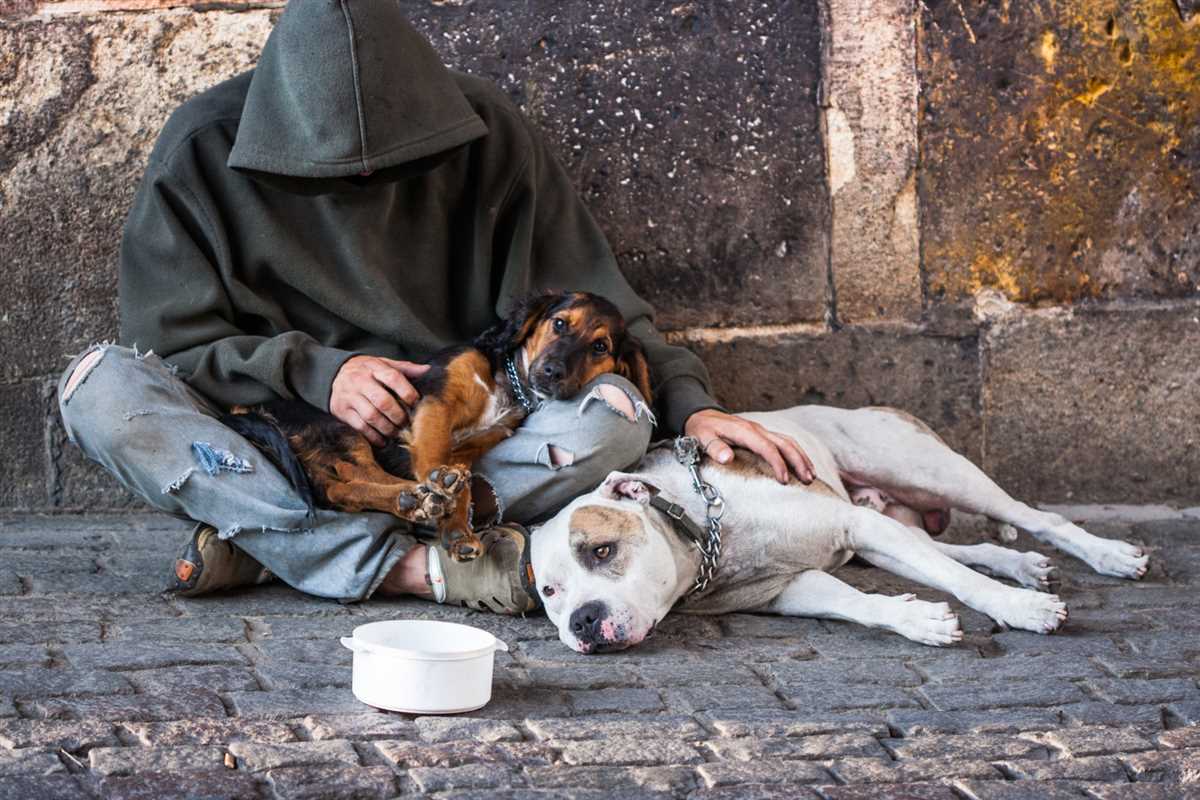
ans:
(373, 395)
(717, 430)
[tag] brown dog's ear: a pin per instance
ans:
(507, 335)
(631, 364)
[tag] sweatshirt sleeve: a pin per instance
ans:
(173, 300)
(556, 244)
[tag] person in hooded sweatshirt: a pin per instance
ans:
(314, 229)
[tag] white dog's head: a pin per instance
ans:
(608, 567)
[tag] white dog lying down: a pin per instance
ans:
(610, 565)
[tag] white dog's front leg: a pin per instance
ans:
(819, 594)
(897, 548)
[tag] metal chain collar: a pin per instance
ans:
(518, 389)
(689, 453)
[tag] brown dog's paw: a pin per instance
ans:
(463, 545)
(448, 480)
(423, 504)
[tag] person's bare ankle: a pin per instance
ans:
(408, 576)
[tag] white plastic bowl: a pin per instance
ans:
(423, 667)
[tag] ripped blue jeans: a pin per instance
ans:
(163, 441)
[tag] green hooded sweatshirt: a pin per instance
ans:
(259, 255)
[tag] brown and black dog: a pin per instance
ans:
(552, 343)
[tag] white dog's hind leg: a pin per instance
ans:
(819, 594)
(1028, 569)
(900, 549)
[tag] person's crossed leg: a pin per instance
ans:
(164, 442)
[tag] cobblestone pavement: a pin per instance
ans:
(110, 689)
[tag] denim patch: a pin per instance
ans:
(215, 460)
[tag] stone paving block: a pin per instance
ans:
(187, 629)
(518, 703)
(26, 787)
(10, 583)
(1145, 667)
(30, 762)
(468, 776)
(448, 729)
(206, 731)
(55, 632)
(911, 770)
(1011, 694)
(359, 727)
(1171, 766)
(788, 673)
(408, 754)
(106, 585)
(333, 783)
(1140, 692)
(1022, 790)
(709, 674)
(819, 697)
(975, 746)
(1010, 720)
(24, 655)
(606, 726)
(578, 677)
(55, 734)
(219, 678)
(701, 699)
(300, 651)
(732, 773)
(1142, 791)
(1092, 768)
(262, 756)
(767, 724)
(1180, 738)
(1187, 713)
(225, 784)
(60, 682)
(624, 701)
(1097, 740)
(1013, 667)
(138, 708)
(621, 751)
(325, 628)
(286, 675)
(908, 791)
(289, 703)
(82, 607)
(1065, 643)
(130, 760)
(142, 655)
(1101, 713)
(672, 780)
(820, 746)
(271, 599)
(7, 709)
(61, 566)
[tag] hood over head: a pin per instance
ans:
(345, 87)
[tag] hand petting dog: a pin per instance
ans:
(716, 431)
(373, 395)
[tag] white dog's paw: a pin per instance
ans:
(1032, 570)
(1027, 610)
(1116, 558)
(928, 623)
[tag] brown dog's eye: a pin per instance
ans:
(600, 348)
(602, 552)
(560, 325)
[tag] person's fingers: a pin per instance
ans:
(410, 369)
(796, 458)
(373, 417)
(354, 420)
(387, 404)
(718, 450)
(397, 384)
(753, 439)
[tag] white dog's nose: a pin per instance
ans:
(585, 621)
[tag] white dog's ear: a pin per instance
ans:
(623, 486)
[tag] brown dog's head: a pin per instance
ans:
(564, 340)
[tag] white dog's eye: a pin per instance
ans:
(602, 552)
(548, 591)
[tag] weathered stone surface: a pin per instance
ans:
(911, 770)
(141, 708)
(448, 729)
(871, 130)
(1097, 740)
(605, 727)
(1038, 693)
(261, 756)
(935, 378)
(1100, 768)
(218, 678)
(728, 773)
(1057, 392)
(54, 734)
(407, 755)
(912, 722)
(142, 655)
(284, 704)
(30, 762)
(357, 727)
(824, 746)
(673, 780)
(130, 760)
(983, 747)
(1058, 150)
(629, 752)
(60, 787)
(56, 682)
(227, 784)
(207, 731)
(23, 471)
(333, 783)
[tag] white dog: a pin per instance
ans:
(611, 564)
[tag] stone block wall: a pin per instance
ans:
(982, 212)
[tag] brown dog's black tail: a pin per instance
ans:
(267, 437)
